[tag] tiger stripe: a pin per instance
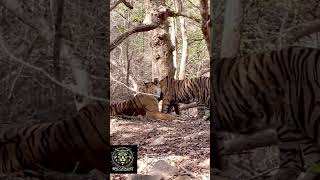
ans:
(58, 145)
(141, 104)
(277, 89)
(184, 91)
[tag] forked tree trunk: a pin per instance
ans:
(160, 39)
(173, 33)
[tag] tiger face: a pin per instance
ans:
(152, 88)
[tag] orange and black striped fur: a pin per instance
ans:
(153, 87)
(184, 91)
(277, 89)
(141, 104)
(60, 146)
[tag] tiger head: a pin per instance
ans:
(152, 87)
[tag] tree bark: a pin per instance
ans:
(184, 55)
(157, 13)
(173, 33)
(231, 30)
(59, 4)
(205, 19)
(39, 24)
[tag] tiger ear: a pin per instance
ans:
(156, 81)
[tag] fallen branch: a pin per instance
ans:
(302, 30)
(243, 143)
(188, 106)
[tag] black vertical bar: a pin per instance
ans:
(215, 157)
(108, 160)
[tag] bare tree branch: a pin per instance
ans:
(177, 14)
(32, 19)
(123, 36)
(126, 3)
(130, 88)
(116, 3)
(26, 54)
(69, 87)
(123, 70)
(147, 27)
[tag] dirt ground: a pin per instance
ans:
(183, 143)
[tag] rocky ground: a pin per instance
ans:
(178, 149)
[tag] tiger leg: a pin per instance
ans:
(291, 163)
(297, 153)
(153, 112)
(311, 155)
(166, 104)
(159, 115)
(176, 109)
(297, 159)
(290, 154)
(175, 106)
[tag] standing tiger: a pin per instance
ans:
(153, 87)
(184, 91)
(81, 142)
(141, 104)
(278, 89)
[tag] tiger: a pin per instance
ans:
(184, 91)
(81, 141)
(278, 90)
(141, 104)
(153, 87)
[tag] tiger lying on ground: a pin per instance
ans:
(277, 89)
(184, 91)
(81, 142)
(141, 104)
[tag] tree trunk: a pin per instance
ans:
(184, 56)
(205, 19)
(173, 33)
(31, 19)
(156, 12)
(58, 12)
(125, 51)
(231, 29)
